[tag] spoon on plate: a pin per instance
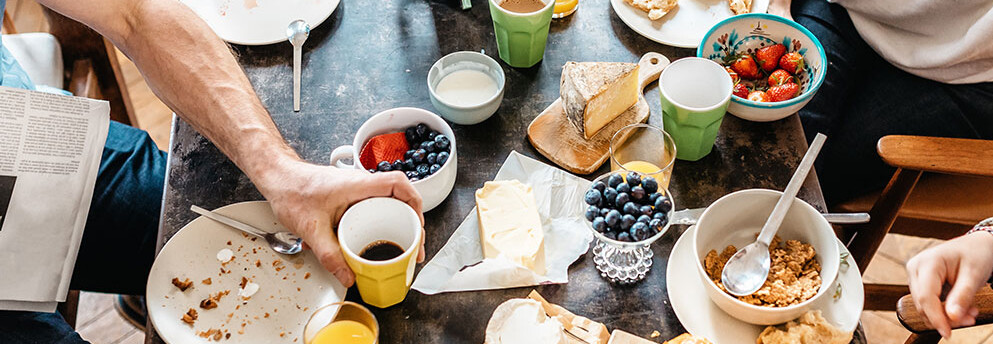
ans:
(297, 33)
(748, 269)
(281, 242)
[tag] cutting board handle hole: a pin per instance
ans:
(654, 60)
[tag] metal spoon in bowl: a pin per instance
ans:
(748, 269)
(297, 33)
(281, 242)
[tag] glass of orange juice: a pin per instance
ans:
(645, 149)
(563, 8)
(341, 323)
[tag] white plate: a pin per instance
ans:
(192, 253)
(701, 317)
(258, 22)
(685, 26)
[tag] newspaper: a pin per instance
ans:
(50, 149)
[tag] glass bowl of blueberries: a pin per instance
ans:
(627, 213)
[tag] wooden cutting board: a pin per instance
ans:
(562, 143)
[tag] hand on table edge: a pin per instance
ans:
(965, 263)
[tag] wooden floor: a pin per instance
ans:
(99, 323)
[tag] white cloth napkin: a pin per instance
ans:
(460, 266)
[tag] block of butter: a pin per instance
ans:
(509, 224)
(595, 93)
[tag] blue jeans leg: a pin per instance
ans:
(118, 243)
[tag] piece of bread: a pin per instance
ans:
(809, 328)
(740, 6)
(656, 8)
(687, 338)
(587, 330)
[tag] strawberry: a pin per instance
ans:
(740, 90)
(745, 66)
(768, 57)
(779, 77)
(734, 76)
(758, 96)
(783, 92)
(792, 62)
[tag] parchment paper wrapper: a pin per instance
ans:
(460, 266)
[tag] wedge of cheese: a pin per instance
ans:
(594, 93)
(518, 321)
(509, 224)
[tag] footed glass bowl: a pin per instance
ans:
(624, 262)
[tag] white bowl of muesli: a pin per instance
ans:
(805, 256)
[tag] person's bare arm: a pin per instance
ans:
(781, 8)
(195, 74)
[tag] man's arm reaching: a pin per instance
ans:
(194, 73)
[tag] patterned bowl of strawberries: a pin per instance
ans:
(776, 64)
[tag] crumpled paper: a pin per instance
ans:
(460, 266)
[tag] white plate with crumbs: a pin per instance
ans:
(258, 22)
(701, 317)
(282, 290)
(685, 25)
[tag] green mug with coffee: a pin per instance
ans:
(521, 28)
(695, 95)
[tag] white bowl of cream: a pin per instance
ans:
(466, 87)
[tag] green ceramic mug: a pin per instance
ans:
(695, 94)
(521, 37)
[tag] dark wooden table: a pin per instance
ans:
(371, 57)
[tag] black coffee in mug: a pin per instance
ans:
(381, 250)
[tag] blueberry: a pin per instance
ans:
(624, 188)
(435, 168)
(653, 197)
(611, 234)
(663, 204)
(624, 236)
(627, 221)
(384, 166)
(432, 135)
(634, 178)
(609, 195)
(411, 135)
(660, 216)
(423, 170)
(432, 158)
(442, 142)
(419, 156)
(631, 208)
(409, 165)
(428, 146)
(644, 218)
(408, 154)
(410, 174)
(397, 165)
(639, 229)
(638, 193)
(655, 224)
(592, 212)
(604, 211)
(372, 170)
(592, 197)
(650, 185)
(599, 224)
(613, 217)
(614, 180)
(422, 130)
(646, 210)
(621, 200)
(600, 185)
(442, 158)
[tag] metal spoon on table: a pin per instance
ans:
(297, 33)
(281, 242)
(748, 269)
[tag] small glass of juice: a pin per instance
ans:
(563, 8)
(645, 149)
(341, 323)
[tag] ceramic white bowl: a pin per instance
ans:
(460, 60)
(748, 33)
(736, 219)
(433, 189)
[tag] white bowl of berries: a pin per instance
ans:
(627, 213)
(776, 64)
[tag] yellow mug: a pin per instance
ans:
(382, 283)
